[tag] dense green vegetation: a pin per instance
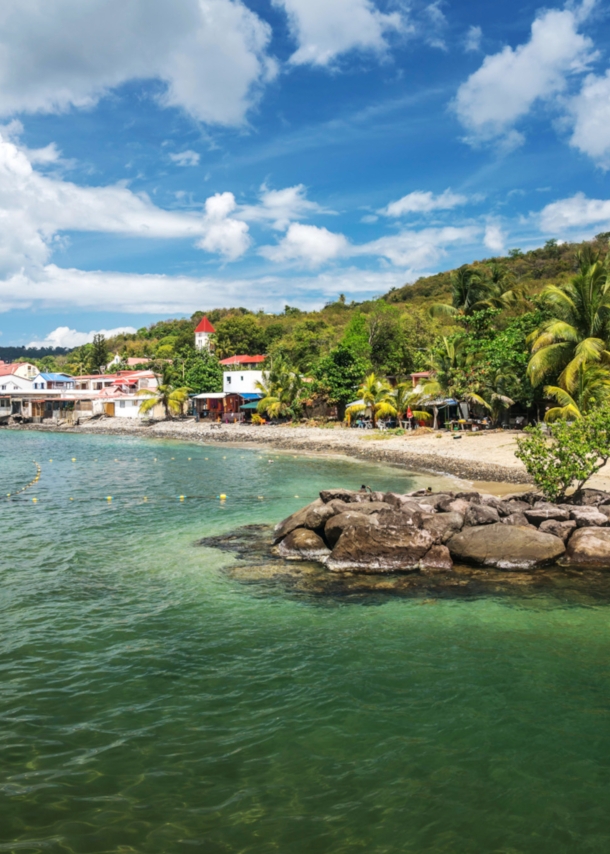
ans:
(518, 331)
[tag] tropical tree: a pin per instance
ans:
(577, 333)
(405, 399)
(499, 289)
(591, 388)
(283, 392)
(172, 399)
(377, 399)
(466, 287)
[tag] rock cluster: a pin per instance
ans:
(377, 532)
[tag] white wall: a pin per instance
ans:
(202, 340)
(241, 382)
(13, 382)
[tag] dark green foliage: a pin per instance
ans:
(338, 376)
(98, 358)
(569, 455)
(202, 372)
(239, 335)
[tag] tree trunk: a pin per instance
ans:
(435, 424)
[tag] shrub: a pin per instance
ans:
(568, 455)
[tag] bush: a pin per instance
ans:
(257, 419)
(568, 455)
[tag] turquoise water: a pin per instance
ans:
(149, 702)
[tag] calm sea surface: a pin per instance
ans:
(149, 702)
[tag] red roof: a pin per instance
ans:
(6, 369)
(205, 326)
(243, 360)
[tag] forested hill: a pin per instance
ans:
(391, 335)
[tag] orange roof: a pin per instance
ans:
(5, 370)
(205, 326)
(243, 360)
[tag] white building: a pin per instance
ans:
(202, 334)
(241, 382)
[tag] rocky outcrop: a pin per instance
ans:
(505, 547)
(377, 532)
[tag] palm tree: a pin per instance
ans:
(576, 335)
(172, 399)
(282, 390)
(499, 289)
(405, 398)
(377, 399)
(590, 389)
(465, 293)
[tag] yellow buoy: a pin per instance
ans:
(73, 459)
(189, 458)
(182, 498)
(206, 458)
(145, 498)
(261, 497)
(34, 500)
(50, 461)
(71, 499)
(109, 498)
(223, 497)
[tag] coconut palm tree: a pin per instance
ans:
(591, 387)
(499, 289)
(283, 392)
(577, 333)
(172, 399)
(465, 293)
(405, 399)
(377, 399)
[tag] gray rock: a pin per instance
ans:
(337, 524)
(501, 507)
(588, 517)
(303, 544)
(384, 544)
(458, 506)
(505, 547)
(528, 497)
(437, 559)
(537, 515)
(444, 525)
(589, 548)
(517, 519)
(558, 529)
(516, 506)
(605, 509)
(479, 514)
(435, 499)
(591, 498)
(348, 495)
(471, 497)
(314, 516)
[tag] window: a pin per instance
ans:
(122, 404)
(229, 380)
(242, 379)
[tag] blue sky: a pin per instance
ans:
(163, 156)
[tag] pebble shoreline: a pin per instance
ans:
(311, 440)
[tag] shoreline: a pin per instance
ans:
(473, 459)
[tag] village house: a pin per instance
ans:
(202, 334)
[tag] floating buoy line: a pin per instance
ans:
(28, 485)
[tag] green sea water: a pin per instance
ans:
(150, 702)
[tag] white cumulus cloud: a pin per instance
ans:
(576, 212)
(418, 249)
(308, 245)
(494, 238)
(323, 30)
(590, 111)
(509, 83)
(472, 42)
(210, 55)
(280, 207)
(423, 202)
(63, 336)
(35, 209)
(185, 158)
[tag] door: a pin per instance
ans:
(109, 409)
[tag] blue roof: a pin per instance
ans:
(57, 378)
(247, 395)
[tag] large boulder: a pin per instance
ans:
(588, 517)
(435, 499)
(505, 547)
(479, 514)
(471, 497)
(516, 506)
(529, 497)
(589, 548)
(498, 505)
(537, 515)
(443, 526)
(558, 529)
(458, 505)
(383, 544)
(337, 524)
(350, 496)
(437, 559)
(303, 544)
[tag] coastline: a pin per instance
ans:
(476, 458)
